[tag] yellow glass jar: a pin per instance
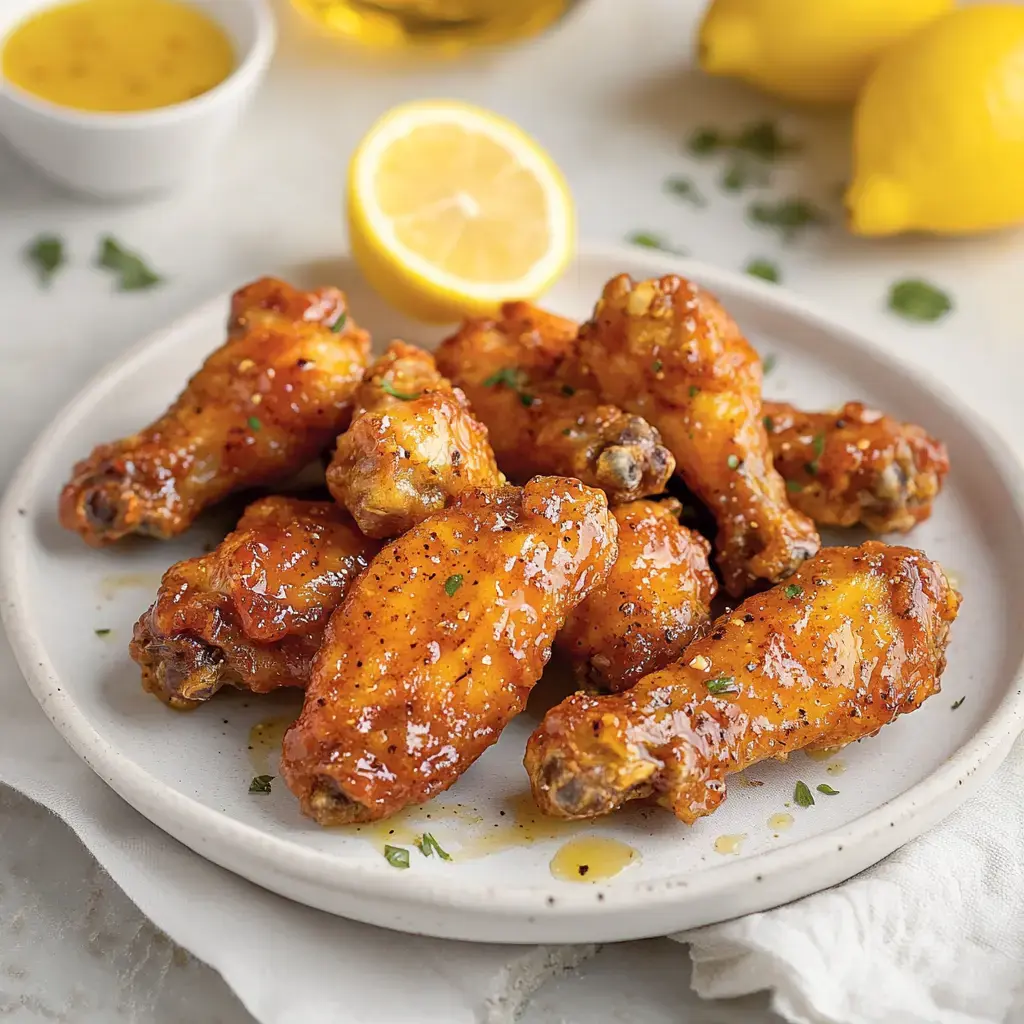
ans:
(444, 25)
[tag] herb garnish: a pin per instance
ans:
(827, 790)
(656, 366)
(768, 363)
(339, 325)
(918, 300)
(684, 188)
(134, 274)
(818, 447)
(733, 462)
(764, 269)
(396, 856)
(260, 783)
(453, 583)
(794, 486)
(793, 590)
(957, 703)
(802, 795)
(705, 141)
(428, 846)
(649, 240)
(254, 423)
(723, 684)
(742, 173)
(769, 423)
(388, 388)
(102, 632)
(789, 216)
(694, 391)
(46, 254)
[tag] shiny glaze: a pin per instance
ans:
(262, 406)
(863, 641)
(542, 425)
(655, 599)
(666, 350)
(251, 613)
(413, 683)
(872, 469)
(413, 445)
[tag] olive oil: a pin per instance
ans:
(592, 859)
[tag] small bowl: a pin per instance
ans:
(128, 155)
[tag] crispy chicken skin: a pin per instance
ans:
(856, 466)
(542, 425)
(251, 613)
(261, 407)
(856, 637)
(437, 646)
(666, 350)
(656, 598)
(414, 444)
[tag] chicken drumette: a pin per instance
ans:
(251, 613)
(856, 637)
(654, 601)
(413, 445)
(541, 425)
(666, 350)
(856, 466)
(262, 406)
(438, 644)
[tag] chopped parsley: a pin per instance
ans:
(694, 391)
(134, 274)
(260, 783)
(453, 583)
(510, 376)
(254, 423)
(649, 240)
(794, 486)
(763, 140)
(428, 846)
(918, 300)
(102, 632)
(827, 789)
(741, 174)
(788, 216)
(396, 856)
(957, 703)
(684, 188)
(705, 141)
(733, 462)
(389, 389)
(339, 325)
(768, 363)
(46, 254)
(818, 448)
(764, 269)
(802, 795)
(656, 366)
(723, 684)
(769, 423)
(793, 590)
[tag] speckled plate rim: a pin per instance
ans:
(482, 912)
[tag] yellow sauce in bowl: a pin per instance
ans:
(118, 55)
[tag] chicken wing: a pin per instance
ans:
(438, 644)
(413, 445)
(262, 406)
(251, 613)
(855, 638)
(540, 425)
(666, 350)
(656, 598)
(856, 466)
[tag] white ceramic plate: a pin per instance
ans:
(189, 773)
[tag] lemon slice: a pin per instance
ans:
(453, 210)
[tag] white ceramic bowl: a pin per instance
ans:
(125, 155)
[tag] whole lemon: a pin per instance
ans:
(816, 51)
(939, 129)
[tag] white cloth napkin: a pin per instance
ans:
(932, 935)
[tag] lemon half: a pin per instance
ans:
(453, 210)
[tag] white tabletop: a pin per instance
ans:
(612, 94)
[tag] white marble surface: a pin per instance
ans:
(611, 94)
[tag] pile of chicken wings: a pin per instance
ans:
(516, 492)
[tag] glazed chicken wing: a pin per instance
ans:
(251, 613)
(654, 601)
(666, 350)
(437, 646)
(262, 406)
(856, 466)
(539, 425)
(413, 445)
(855, 638)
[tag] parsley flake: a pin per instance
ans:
(389, 389)
(918, 300)
(453, 583)
(827, 789)
(723, 684)
(260, 783)
(46, 254)
(396, 856)
(705, 141)
(428, 846)
(649, 240)
(684, 188)
(768, 363)
(339, 325)
(957, 703)
(802, 795)
(794, 486)
(694, 391)
(733, 462)
(741, 174)
(510, 376)
(656, 366)
(135, 275)
(793, 590)
(254, 423)
(102, 632)
(818, 448)
(764, 269)
(763, 140)
(788, 216)
(769, 424)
